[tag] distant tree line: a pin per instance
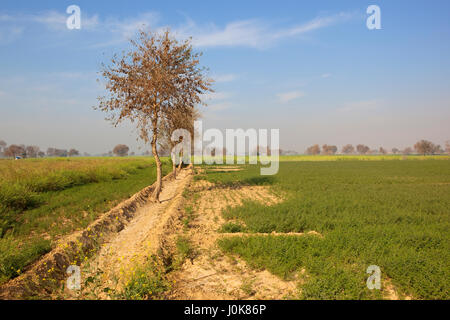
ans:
(423, 147)
(23, 151)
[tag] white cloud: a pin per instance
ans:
(122, 30)
(289, 96)
(326, 75)
(119, 30)
(313, 25)
(127, 28)
(12, 27)
(248, 33)
(57, 21)
(52, 19)
(251, 33)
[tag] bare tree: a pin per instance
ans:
(447, 146)
(61, 152)
(121, 150)
(32, 151)
(362, 149)
(438, 149)
(382, 150)
(348, 149)
(54, 152)
(73, 152)
(29, 151)
(51, 152)
(395, 150)
(158, 75)
(315, 149)
(15, 151)
(181, 117)
(407, 150)
(425, 147)
(163, 149)
(326, 149)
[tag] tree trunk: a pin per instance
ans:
(181, 161)
(158, 187)
(174, 168)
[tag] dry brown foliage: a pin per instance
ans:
(158, 78)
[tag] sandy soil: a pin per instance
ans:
(213, 275)
(142, 237)
(390, 292)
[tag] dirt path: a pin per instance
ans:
(142, 237)
(213, 275)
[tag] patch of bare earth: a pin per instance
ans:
(46, 277)
(122, 253)
(213, 275)
(295, 234)
(391, 293)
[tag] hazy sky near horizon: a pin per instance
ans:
(310, 68)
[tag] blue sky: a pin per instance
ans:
(310, 68)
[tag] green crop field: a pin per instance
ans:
(369, 211)
(42, 200)
(393, 214)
